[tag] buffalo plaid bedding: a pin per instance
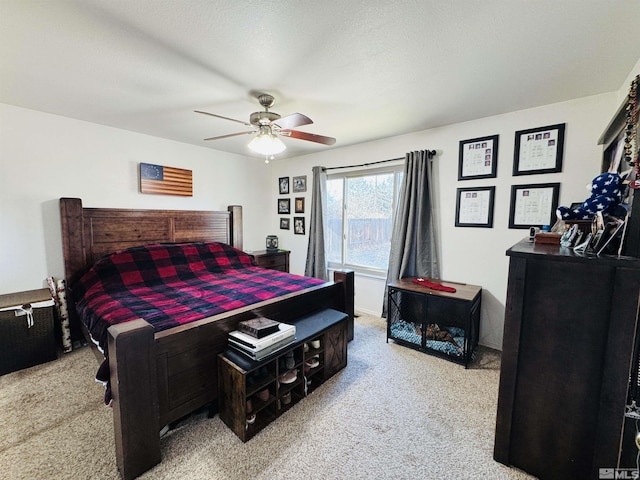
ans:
(173, 284)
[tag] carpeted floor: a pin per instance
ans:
(393, 413)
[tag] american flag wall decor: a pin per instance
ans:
(165, 180)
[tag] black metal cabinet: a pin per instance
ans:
(440, 323)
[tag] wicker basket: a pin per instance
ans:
(26, 339)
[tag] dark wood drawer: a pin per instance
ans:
(275, 262)
(278, 260)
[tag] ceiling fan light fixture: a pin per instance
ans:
(270, 126)
(266, 143)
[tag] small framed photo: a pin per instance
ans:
(299, 205)
(298, 225)
(283, 185)
(474, 207)
(538, 150)
(284, 205)
(609, 236)
(284, 224)
(533, 205)
(478, 158)
(300, 184)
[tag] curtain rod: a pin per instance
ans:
(430, 154)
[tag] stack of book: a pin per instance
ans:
(260, 337)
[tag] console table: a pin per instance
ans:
(416, 314)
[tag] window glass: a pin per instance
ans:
(333, 235)
(360, 208)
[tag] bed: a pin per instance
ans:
(157, 376)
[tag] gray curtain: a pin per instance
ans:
(316, 265)
(413, 243)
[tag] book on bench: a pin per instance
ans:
(263, 352)
(284, 331)
(258, 327)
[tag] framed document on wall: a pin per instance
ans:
(474, 207)
(478, 158)
(538, 150)
(533, 205)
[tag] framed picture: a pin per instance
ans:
(478, 158)
(299, 205)
(298, 225)
(538, 150)
(284, 205)
(284, 224)
(533, 205)
(283, 185)
(300, 184)
(474, 207)
(607, 239)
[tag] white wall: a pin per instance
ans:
(44, 157)
(469, 255)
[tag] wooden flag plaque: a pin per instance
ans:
(158, 179)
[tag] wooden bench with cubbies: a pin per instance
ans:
(255, 393)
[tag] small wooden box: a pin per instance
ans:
(26, 340)
(548, 238)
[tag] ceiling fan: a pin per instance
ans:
(269, 126)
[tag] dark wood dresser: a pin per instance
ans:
(273, 259)
(568, 345)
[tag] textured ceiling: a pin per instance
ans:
(361, 70)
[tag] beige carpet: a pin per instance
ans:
(392, 413)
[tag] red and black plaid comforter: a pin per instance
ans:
(173, 284)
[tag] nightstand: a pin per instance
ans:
(273, 259)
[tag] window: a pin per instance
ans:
(360, 208)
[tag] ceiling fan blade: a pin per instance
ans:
(293, 120)
(312, 137)
(230, 135)
(224, 118)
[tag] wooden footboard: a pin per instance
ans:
(157, 379)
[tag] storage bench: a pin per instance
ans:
(241, 379)
(27, 335)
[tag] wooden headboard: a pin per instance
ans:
(90, 233)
